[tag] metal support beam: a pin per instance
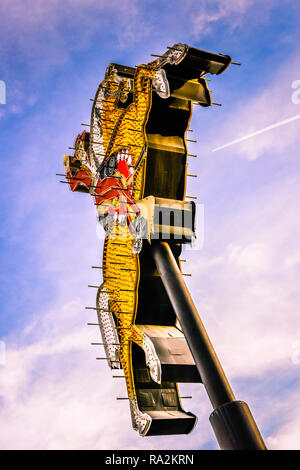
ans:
(231, 420)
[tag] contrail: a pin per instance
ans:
(281, 123)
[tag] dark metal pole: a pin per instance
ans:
(231, 420)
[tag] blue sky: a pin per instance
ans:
(245, 279)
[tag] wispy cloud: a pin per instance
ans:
(267, 122)
(287, 436)
(209, 13)
(54, 394)
(247, 292)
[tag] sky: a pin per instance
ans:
(245, 279)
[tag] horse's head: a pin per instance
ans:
(79, 170)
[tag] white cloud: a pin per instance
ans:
(245, 287)
(48, 27)
(210, 13)
(55, 395)
(253, 258)
(244, 281)
(287, 436)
